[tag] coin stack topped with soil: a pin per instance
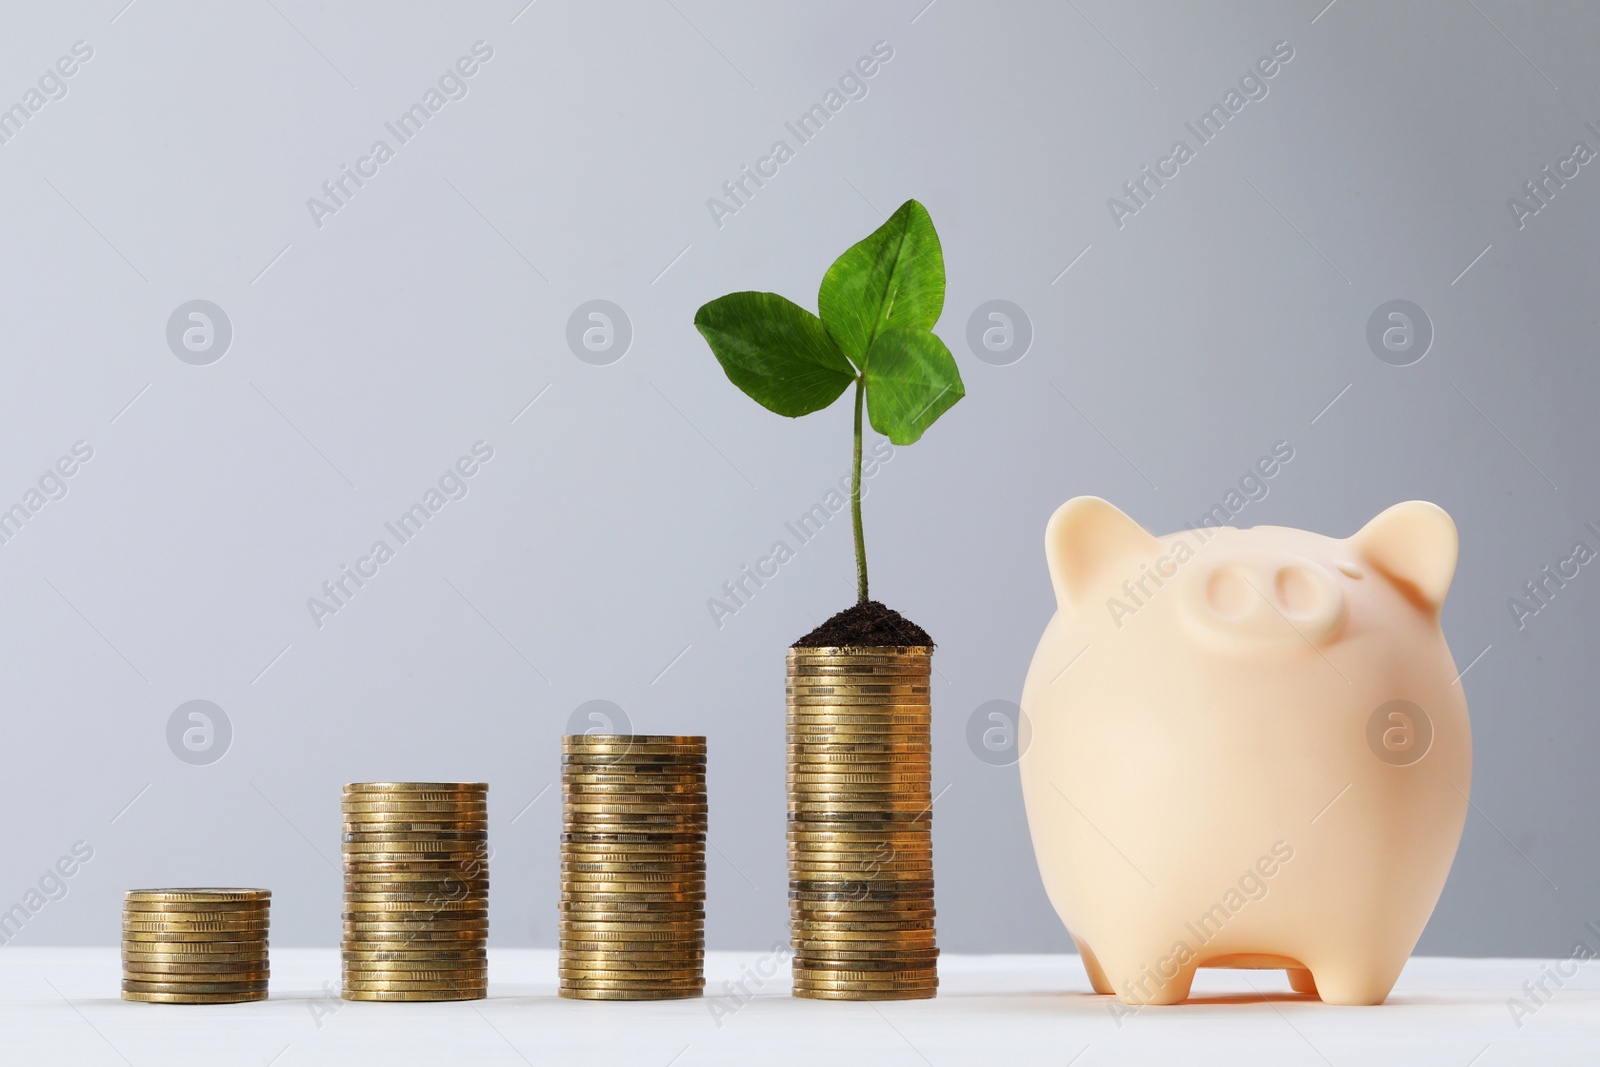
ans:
(195, 946)
(416, 891)
(633, 866)
(860, 822)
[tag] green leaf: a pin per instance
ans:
(776, 351)
(911, 380)
(893, 279)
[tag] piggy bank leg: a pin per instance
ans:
(1365, 979)
(1146, 972)
(1300, 981)
(1097, 977)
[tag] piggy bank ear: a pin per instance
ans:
(1086, 537)
(1415, 546)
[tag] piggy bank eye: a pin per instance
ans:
(1350, 570)
(1297, 591)
(1229, 593)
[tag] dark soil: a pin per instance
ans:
(863, 626)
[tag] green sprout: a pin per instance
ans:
(878, 304)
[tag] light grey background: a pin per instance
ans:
(369, 354)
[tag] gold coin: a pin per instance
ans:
(132, 986)
(915, 685)
(652, 759)
(195, 998)
(422, 870)
(135, 920)
(416, 787)
(661, 967)
(845, 852)
(580, 955)
(665, 823)
(894, 837)
(682, 934)
(186, 961)
(877, 692)
(451, 838)
(852, 751)
(456, 896)
(876, 725)
(200, 895)
(609, 782)
(846, 971)
(686, 878)
(442, 907)
(664, 845)
(661, 984)
(835, 931)
(801, 672)
(666, 868)
(141, 920)
(841, 952)
(835, 653)
(407, 926)
(220, 937)
(814, 730)
(357, 950)
(242, 968)
(862, 994)
(602, 900)
(372, 959)
(620, 904)
(813, 944)
(452, 816)
(416, 881)
(572, 993)
(868, 979)
(868, 990)
(466, 848)
(192, 907)
(675, 809)
(416, 995)
(633, 742)
(414, 970)
(384, 985)
(198, 949)
(683, 978)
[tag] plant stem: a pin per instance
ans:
(855, 502)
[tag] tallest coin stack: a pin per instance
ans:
(860, 810)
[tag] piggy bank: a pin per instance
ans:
(1249, 748)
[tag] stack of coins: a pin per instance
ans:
(195, 946)
(860, 821)
(416, 891)
(633, 867)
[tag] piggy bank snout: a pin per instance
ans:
(1270, 598)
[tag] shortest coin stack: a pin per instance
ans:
(416, 891)
(633, 867)
(195, 946)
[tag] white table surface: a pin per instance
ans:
(61, 1006)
